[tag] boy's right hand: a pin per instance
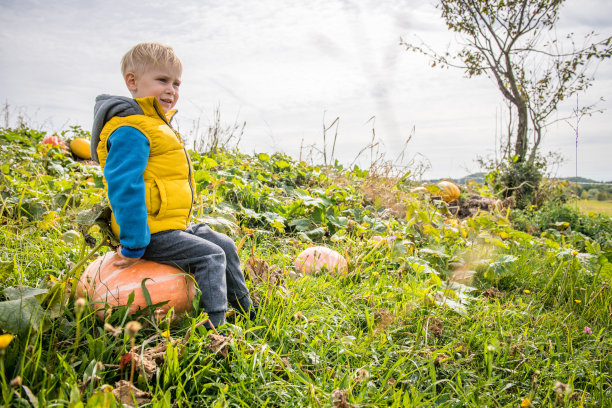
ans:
(124, 262)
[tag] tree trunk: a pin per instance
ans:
(520, 147)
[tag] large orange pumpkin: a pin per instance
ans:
(104, 283)
(449, 191)
(314, 259)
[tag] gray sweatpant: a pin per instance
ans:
(213, 260)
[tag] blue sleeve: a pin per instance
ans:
(128, 155)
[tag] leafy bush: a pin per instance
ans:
(519, 181)
(562, 217)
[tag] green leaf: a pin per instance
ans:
(282, 164)
(500, 266)
(33, 399)
(340, 222)
(100, 215)
(33, 208)
(71, 236)
(303, 237)
(251, 213)
(101, 399)
(606, 272)
(75, 398)
(209, 162)
(6, 268)
(220, 224)
(17, 316)
(54, 300)
(131, 298)
(497, 242)
(145, 291)
(18, 292)
(202, 175)
(280, 227)
(273, 217)
(308, 200)
(301, 224)
(99, 212)
(435, 252)
(318, 215)
(452, 304)
(316, 233)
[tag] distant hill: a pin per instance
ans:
(582, 180)
(480, 176)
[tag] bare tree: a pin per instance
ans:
(514, 42)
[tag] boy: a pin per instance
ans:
(150, 186)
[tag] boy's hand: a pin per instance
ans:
(124, 262)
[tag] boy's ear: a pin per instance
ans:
(130, 81)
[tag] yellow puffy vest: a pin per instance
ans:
(168, 177)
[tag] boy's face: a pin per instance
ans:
(161, 82)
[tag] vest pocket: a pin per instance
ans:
(179, 192)
(155, 197)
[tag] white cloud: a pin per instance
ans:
(280, 66)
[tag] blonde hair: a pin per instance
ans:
(145, 56)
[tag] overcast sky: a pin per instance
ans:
(286, 66)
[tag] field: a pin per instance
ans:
(594, 206)
(433, 311)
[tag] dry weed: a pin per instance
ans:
(219, 344)
(340, 399)
(436, 327)
(385, 319)
(147, 361)
(382, 193)
(492, 293)
(258, 270)
(126, 393)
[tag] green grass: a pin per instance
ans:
(531, 322)
(594, 206)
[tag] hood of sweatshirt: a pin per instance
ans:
(107, 107)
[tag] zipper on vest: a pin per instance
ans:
(163, 117)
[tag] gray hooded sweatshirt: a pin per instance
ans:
(107, 107)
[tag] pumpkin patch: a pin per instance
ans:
(431, 298)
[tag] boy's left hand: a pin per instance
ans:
(124, 262)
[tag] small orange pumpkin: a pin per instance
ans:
(104, 283)
(54, 141)
(316, 258)
(419, 190)
(81, 148)
(380, 239)
(450, 191)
